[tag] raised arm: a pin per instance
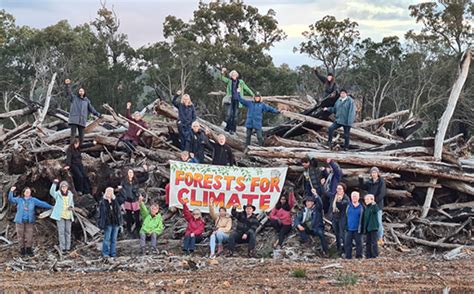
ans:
(322, 78)
(11, 198)
(128, 111)
(212, 212)
(188, 216)
(243, 101)
(336, 169)
(144, 213)
(175, 100)
(268, 108)
(292, 200)
(246, 89)
(69, 91)
(52, 190)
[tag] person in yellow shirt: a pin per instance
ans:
(62, 213)
(222, 228)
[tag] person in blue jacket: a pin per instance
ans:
(331, 177)
(255, 110)
(25, 218)
(186, 117)
(345, 111)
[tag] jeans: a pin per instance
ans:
(249, 136)
(380, 231)
(79, 176)
(143, 237)
(232, 114)
(353, 235)
(218, 236)
(236, 237)
(282, 230)
(24, 233)
(371, 248)
(339, 227)
(109, 245)
(320, 233)
(76, 128)
(347, 130)
(64, 234)
(190, 243)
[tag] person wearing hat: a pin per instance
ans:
(254, 121)
(309, 220)
(345, 111)
(194, 230)
(246, 230)
(132, 137)
(63, 212)
(376, 186)
(186, 117)
(329, 83)
(231, 100)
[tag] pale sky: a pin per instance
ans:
(142, 20)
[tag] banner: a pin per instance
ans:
(196, 184)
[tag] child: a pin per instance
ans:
(110, 219)
(25, 218)
(222, 227)
(152, 225)
(193, 233)
(186, 116)
(371, 226)
(354, 214)
(62, 213)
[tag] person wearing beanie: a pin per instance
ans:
(110, 219)
(25, 218)
(309, 220)
(254, 121)
(345, 111)
(133, 137)
(63, 213)
(376, 186)
(329, 83)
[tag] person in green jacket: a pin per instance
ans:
(345, 111)
(371, 226)
(152, 225)
(231, 99)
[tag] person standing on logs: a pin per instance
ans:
(254, 121)
(132, 137)
(377, 187)
(25, 218)
(222, 153)
(129, 191)
(199, 142)
(329, 83)
(74, 164)
(312, 175)
(109, 220)
(231, 99)
(345, 111)
(80, 108)
(186, 117)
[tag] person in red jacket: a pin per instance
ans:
(193, 233)
(132, 137)
(280, 217)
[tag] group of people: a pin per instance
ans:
(324, 192)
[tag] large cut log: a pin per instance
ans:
(359, 133)
(438, 169)
(380, 121)
(19, 112)
(444, 122)
(458, 186)
(12, 133)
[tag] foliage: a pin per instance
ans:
(347, 279)
(299, 273)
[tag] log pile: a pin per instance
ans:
(32, 154)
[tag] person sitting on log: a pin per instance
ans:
(254, 121)
(185, 157)
(371, 226)
(246, 231)
(231, 99)
(312, 175)
(329, 83)
(133, 136)
(129, 191)
(74, 164)
(345, 111)
(221, 231)
(339, 206)
(110, 220)
(199, 142)
(194, 230)
(152, 225)
(222, 153)
(81, 106)
(377, 187)
(309, 221)
(186, 116)
(280, 217)
(63, 213)
(25, 218)
(354, 219)
(330, 178)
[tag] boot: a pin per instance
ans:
(23, 251)
(252, 253)
(29, 251)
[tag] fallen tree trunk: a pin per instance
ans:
(380, 121)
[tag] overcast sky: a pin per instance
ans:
(142, 20)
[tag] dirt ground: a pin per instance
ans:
(403, 273)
